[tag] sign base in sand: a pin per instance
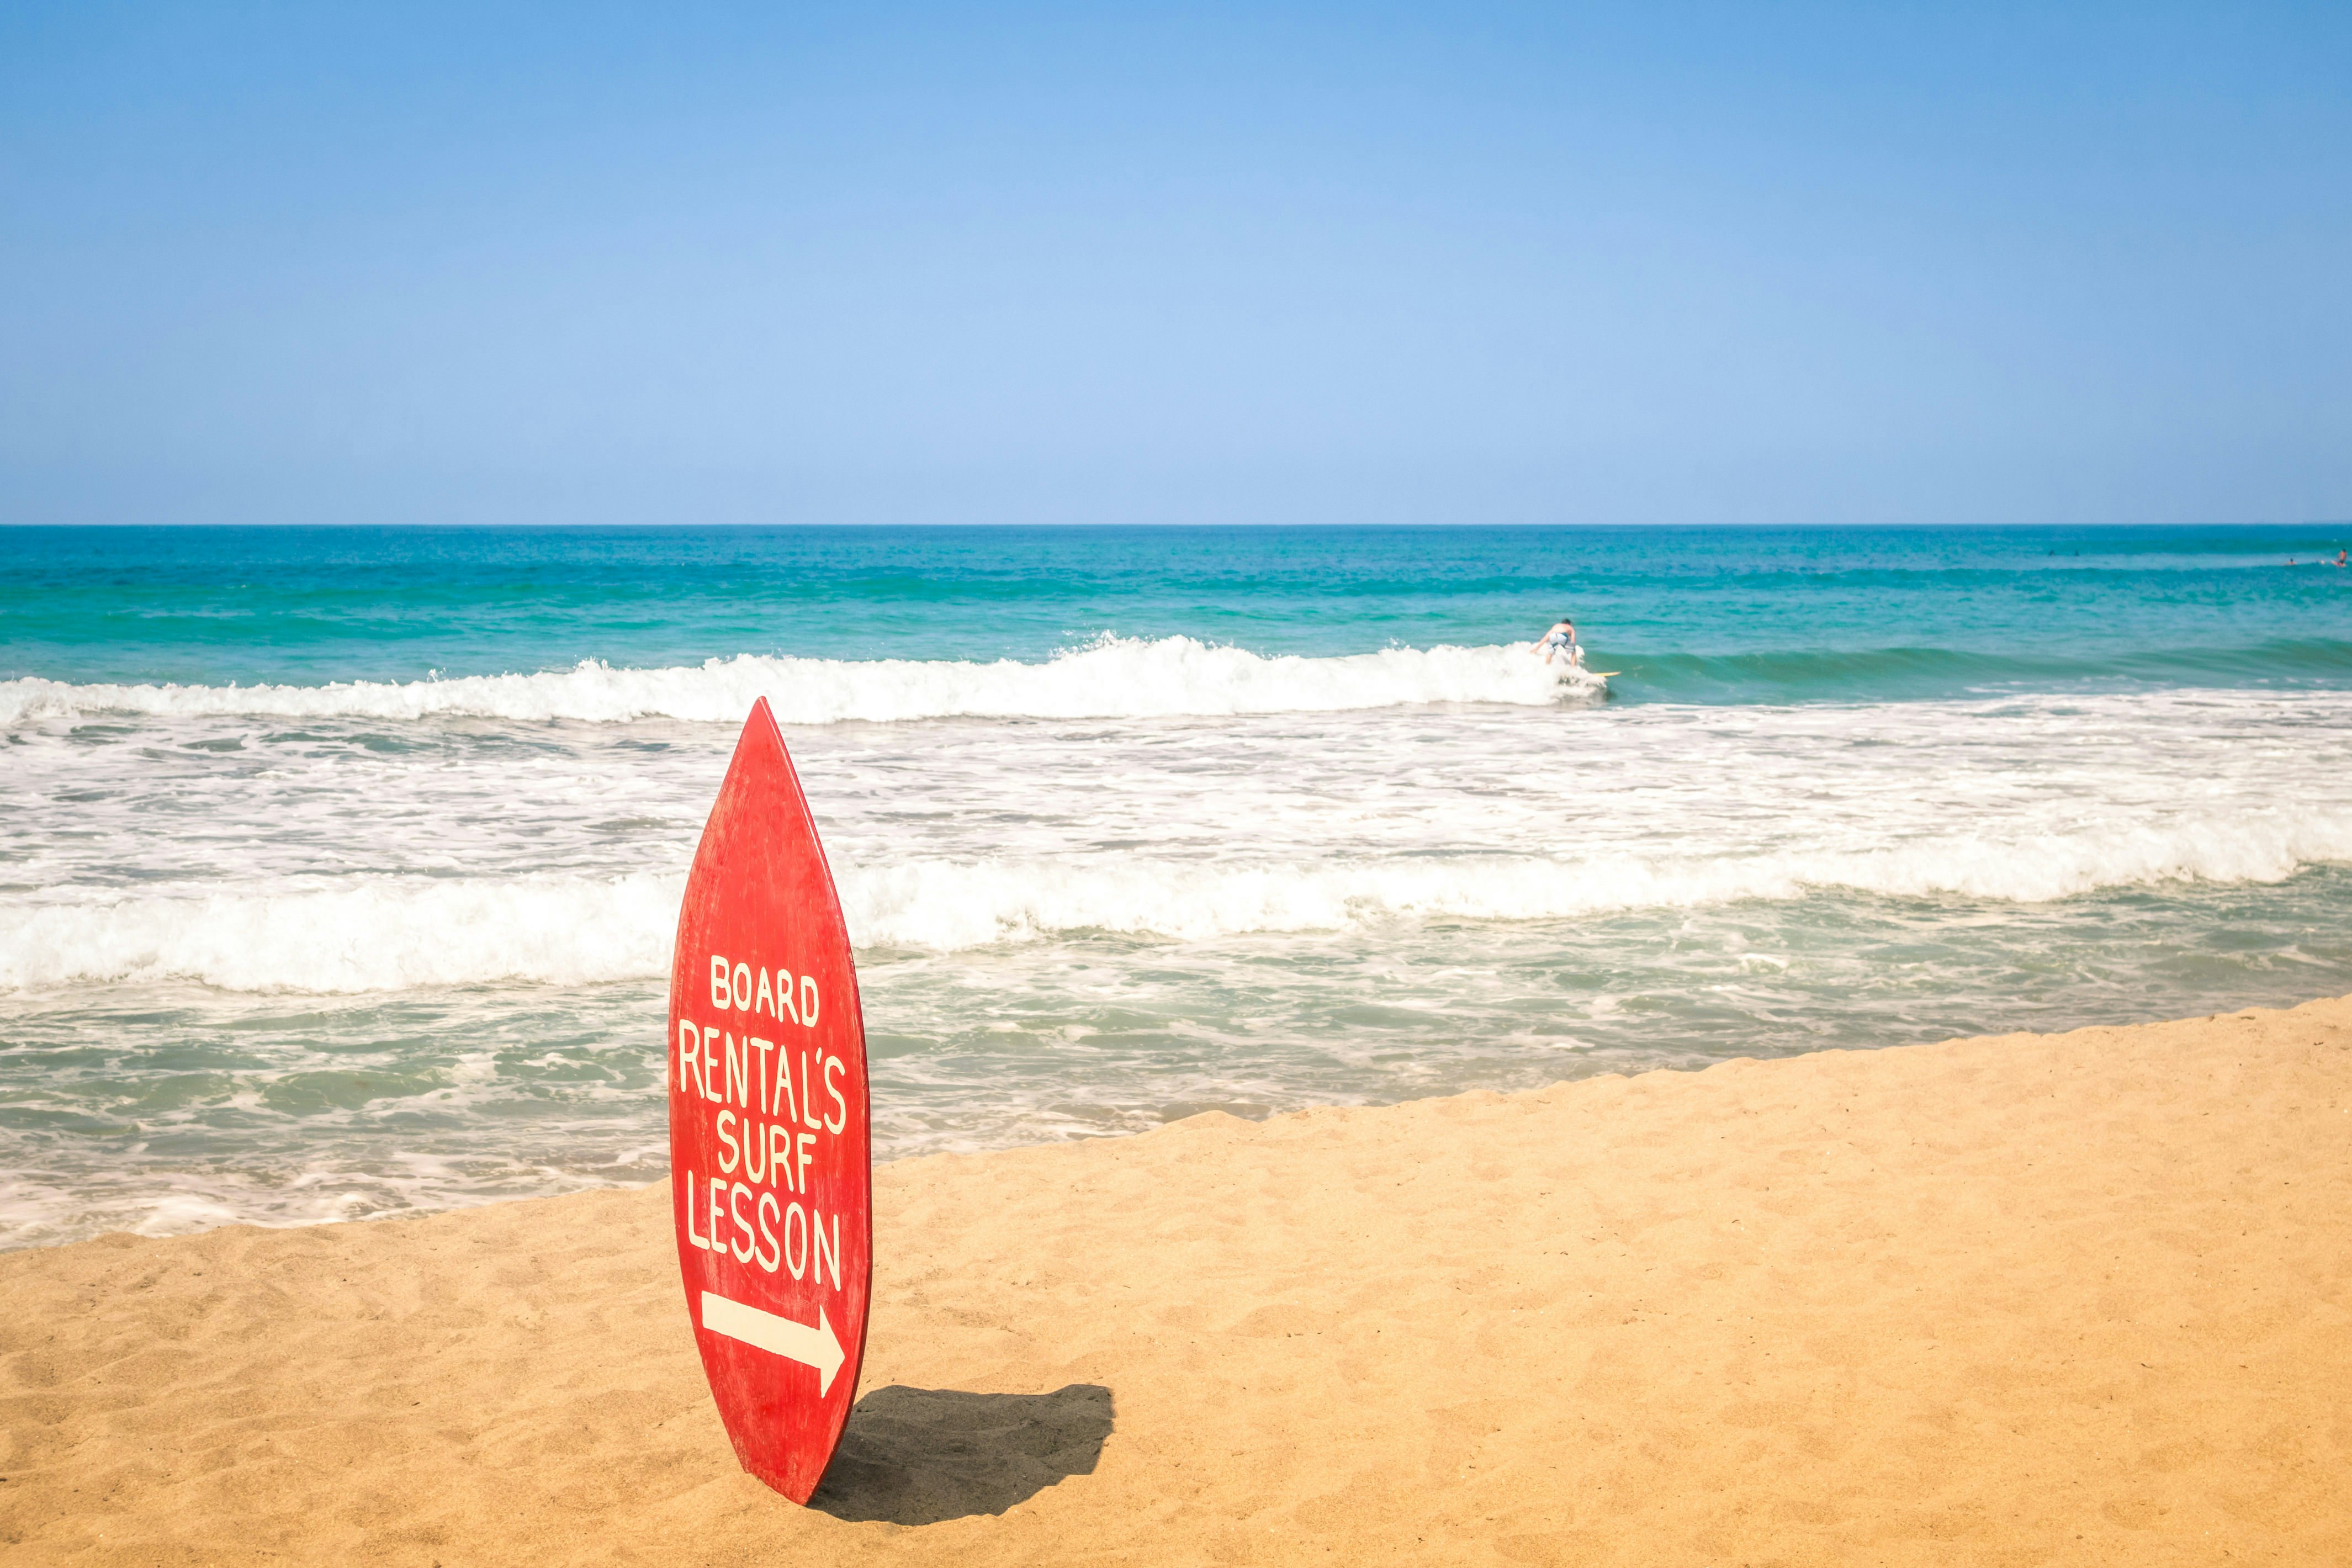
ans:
(770, 1161)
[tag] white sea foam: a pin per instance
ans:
(382, 934)
(395, 933)
(949, 905)
(1111, 677)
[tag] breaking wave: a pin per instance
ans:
(380, 934)
(1108, 678)
(949, 905)
(396, 933)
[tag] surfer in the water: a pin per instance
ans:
(1561, 639)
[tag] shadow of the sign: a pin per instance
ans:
(918, 1455)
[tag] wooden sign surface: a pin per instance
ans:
(770, 1161)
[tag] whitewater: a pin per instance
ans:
(1110, 677)
(288, 935)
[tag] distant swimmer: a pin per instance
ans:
(2339, 557)
(1561, 639)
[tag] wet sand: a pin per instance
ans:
(2081, 1298)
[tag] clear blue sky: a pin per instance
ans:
(1452, 264)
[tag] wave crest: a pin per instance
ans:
(1109, 678)
(948, 905)
(388, 934)
(384, 934)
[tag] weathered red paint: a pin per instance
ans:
(762, 898)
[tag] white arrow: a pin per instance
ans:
(818, 1347)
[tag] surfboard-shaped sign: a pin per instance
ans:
(770, 1161)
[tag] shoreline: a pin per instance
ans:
(2084, 1297)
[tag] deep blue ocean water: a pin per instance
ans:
(338, 867)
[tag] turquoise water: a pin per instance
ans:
(1689, 614)
(338, 867)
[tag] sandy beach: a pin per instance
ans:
(2083, 1297)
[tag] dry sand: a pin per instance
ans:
(2084, 1298)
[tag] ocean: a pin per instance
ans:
(339, 867)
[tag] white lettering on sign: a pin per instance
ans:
(768, 1231)
(689, 1056)
(768, 1213)
(740, 987)
(817, 1227)
(776, 1107)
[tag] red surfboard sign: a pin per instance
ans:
(769, 1152)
